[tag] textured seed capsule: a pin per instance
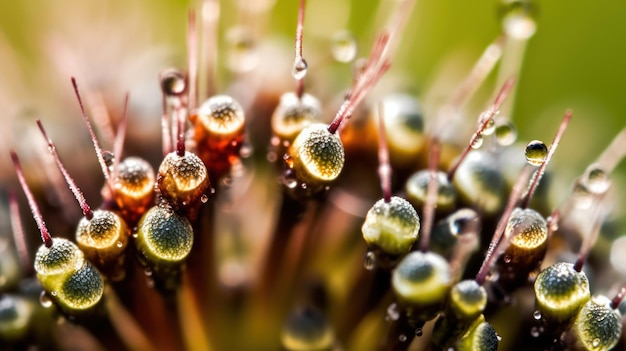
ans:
(15, 317)
(421, 279)
(182, 180)
(391, 226)
(404, 127)
(598, 326)
(479, 183)
(163, 237)
(134, 187)
(82, 289)
(468, 299)
(447, 231)
(317, 156)
(480, 337)
(417, 186)
(307, 329)
(529, 231)
(55, 263)
(560, 292)
(294, 114)
(103, 239)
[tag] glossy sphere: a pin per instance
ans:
(536, 152)
(15, 316)
(55, 263)
(417, 187)
(597, 326)
(480, 337)
(182, 180)
(307, 329)
(391, 227)
(529, 231)
(560, 291)
(421, 279)
(317, 156)
(294, 114)
(82, 290)
(404, 126)
(163, 237)
(468, 299)
(480, 183)
(134, 185)
(222, 115)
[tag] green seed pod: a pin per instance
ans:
(134, 186)
(55, 263)
(560, 292)
(480, 337)
(103, 239)
(15, 317)
(82, 289)
(182, 179)
(391, 227)
(316, 155)
(417, 186)
(598, 326)
(447, 231)
(294, 114)
(422, 281)
(307, 329)
(164, 238)
(479, 183)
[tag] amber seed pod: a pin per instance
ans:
(134, 187)
(391, 227)
(598, 326)
(182, 179)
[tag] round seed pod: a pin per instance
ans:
(164, 238)
(479, 183)
(391, 227)
(134, 186)
(81, 290)
(15, 317)
(446, 232)
(467, 299)
(417, 187)
(103, 239)
(55, 263)
(529, 232)
(307, 329)
(182, 179)
(560, 292)
(294, 114)
(316, 155)
(221, 116)
(422, 279)
(598, 326)
(480, 337)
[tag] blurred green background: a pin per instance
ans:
(576, 59)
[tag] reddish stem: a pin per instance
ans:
(118, 146)
(192, 53)
(384, 168)
(618, 297)
(18, 232)
(432, 191)
(45, 234)
(299, 36)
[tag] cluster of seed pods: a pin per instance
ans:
(421, 237)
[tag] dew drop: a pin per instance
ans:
(227, 181)
(519, 26)
(595, 342)
(536, 152)
(204, 198)
(119, 244)
(271, 156)
(596, 180)
(304, 186)
(344, 46)
(534, 332)
(498, 337)
(147, 272)
(245, 151)
(506, 134)
(53, 293)
(490, 128)
(135, 235)
(419, 332)
(507, 258)
(370, 261)
(289, 179)
(45, 300)
(537, 315)
(477, 142)
(402, 338)
(299, 68)
(392, 312)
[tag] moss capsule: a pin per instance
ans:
(164, 237)
(598, 326)
(307, 330)
(81, 290)
(480, 337)
(182, 179)
(134, 187)
(15, 317)
(529, 232)
(560, 292)
(391, 227)
(53, 264)
(417, 185)
(294, 114)
(480, 183)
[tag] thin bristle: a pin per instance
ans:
(166, 132)
(542, 169)
(485, 119)
(118, 147)
(192, 56)
(595, 219)
(299, 37)
(618, 297)
(96, 144)
(18, 233)
(496, 241)
(68, 179)
(430, 202)
(181, 118)
(45, 234)
(384, 168)
(210, 17)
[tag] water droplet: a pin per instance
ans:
(135, 235)
(490, 128)
(537, 315)
(173, 82)
(419, 332)
(299, 68)
(536, 152)
(370, 261)
(204, 198)
(275, 141)
(519, 26)
(289, 179)
(595, 342)
(498, 337)
(53, 293)
(596, 180)
(227, 181)
(506, 134)
(344, 46)
(245, 151)
(303, 186)
(271, 156)
(119, 244)
(477, 142)
(507, 258)
(392, 312)
(242, 55)
(534, 332)
(45, 300)
(402, 338)
(147, 272)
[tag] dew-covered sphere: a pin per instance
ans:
(598, 326)
(106, 231)
(404, 126)
(134, 184)
(421, 279)
(480, 337)
(221, 115)
(391, 226)
(81, 290)
(307, 329)
(53, 264)
(536, 152)
(479, 182)
(164, 237)
(468, 299)
(529, 232)
(294, 114)
(317, 156)
(417, 188)
(182, 179)
(560, 291)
